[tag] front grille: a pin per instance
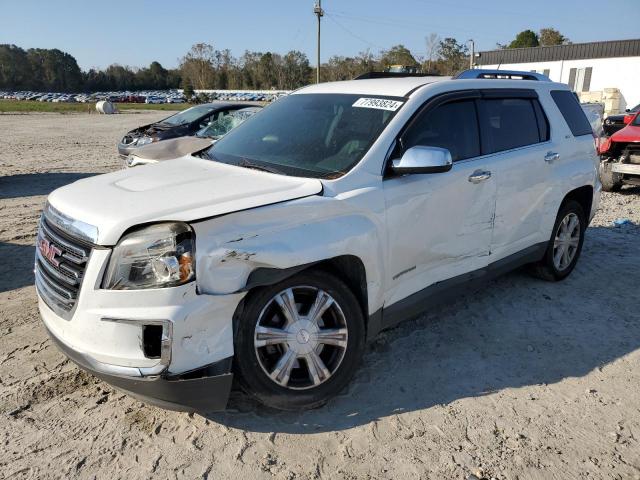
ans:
(60, 264)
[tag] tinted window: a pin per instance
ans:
(543, 122)
(453, 126)
(508, 123)
(572, 113)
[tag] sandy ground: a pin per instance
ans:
(523, 380)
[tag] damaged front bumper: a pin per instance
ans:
(171, 347)
(204, 389)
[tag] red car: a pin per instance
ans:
(620, 157)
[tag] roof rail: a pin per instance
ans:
(501, 75)
(368, 75)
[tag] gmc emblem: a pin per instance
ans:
(49, 251)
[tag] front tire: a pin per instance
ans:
(611, 181)
(298, 343)
(565, 244)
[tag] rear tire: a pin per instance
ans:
(611, 181)
(298, 342)
(565, 244)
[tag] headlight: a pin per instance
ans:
(146, 140)
(157, 256)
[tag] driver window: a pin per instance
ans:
(453, 126)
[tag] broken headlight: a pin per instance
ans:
(157, 256)
(146, 140)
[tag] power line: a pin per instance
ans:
(391, 22)
(354, 35)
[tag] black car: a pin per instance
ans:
(184, 123)
(613, 123)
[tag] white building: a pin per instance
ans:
(594, 70)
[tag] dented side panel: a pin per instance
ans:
(439, 226)
(289, 234)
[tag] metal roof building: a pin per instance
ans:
(591, 69)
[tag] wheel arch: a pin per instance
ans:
(349, 268)
(584, 196)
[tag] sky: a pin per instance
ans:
(137, 32)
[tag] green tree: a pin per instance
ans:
(526, 38)
(452, 56)
(551, 36)
(15, 69)
(55, 70)
(196, 66)
(188, 90)
(296, 69)
(397, 55)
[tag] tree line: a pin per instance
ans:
(205, 67)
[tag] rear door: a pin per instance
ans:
(515, 135)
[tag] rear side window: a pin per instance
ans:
(453, 126)
(509, 123)
(572, 112)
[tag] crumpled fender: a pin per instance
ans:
(286, 235)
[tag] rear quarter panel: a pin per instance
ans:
(576, 167)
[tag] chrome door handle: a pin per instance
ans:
(480, 176)
(551, 157)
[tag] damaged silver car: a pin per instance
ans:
(188, 145)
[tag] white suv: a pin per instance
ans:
(334, 213)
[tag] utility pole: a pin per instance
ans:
(317, 9)
(473, 52)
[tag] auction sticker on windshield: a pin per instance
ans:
(379, 103)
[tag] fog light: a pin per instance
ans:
(156, 337)
(152, 341)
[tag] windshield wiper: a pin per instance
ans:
(247, 164)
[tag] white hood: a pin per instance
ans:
(186, 189)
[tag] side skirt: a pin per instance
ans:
(450, 289)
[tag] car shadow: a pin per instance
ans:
(516, 332)
(33, 184)
(17, 266)
(629, 190)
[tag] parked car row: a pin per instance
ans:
(172, 96)
(149, 97)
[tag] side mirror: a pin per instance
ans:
(421, 159)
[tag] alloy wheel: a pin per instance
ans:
(301, 337)
(566, 242)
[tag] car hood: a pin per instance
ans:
(615, 118)
(185, 189)
(628, 134)
(172, 148)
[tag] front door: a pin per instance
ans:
(440, 225)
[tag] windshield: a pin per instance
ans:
(187, 116)
(226, 121)
(308, 135)
(636, 120)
